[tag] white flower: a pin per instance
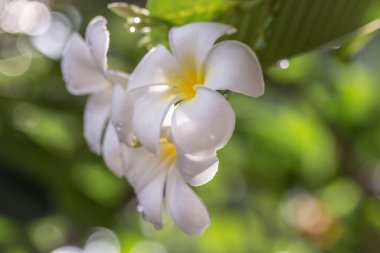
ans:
(203, 121)
(164, 178)
(85, 71)
(102, 241)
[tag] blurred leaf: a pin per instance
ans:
(232, 237)
(341, 196)
(297, 70)
(98, 183)
(279, 29)
(137, 18)
(372, 210)
(276, 29)
(180, 12)
(126, 10)
(356, 95)
(289, 132)
(361, 38)
(7, 230)
(47, 128)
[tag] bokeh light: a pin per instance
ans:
(53, 41)
(23, 16)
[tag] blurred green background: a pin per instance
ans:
(300, 175)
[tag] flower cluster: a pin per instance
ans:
(161, 126)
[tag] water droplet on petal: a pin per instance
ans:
(119, 126)
(133, 141)
(283, 64)
(140, 208)
(146, 30)
(136, 20)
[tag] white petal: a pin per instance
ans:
(150, 198)
(149, 114)
(186, 209)
(157, 67)
(203, 124)
(146, 174)
(96, 116)
(231, 65)
(197, 170)
(142, 166)
(138, 163)
(204, 176)
(118, 77)
(112, 151)
(97, 38)
(191, 43)
(79, 70)
(122, 115)
(68, 249)
(102, 241)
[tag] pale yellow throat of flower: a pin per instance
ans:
(188, 84)
(167, 151)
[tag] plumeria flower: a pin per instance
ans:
(101, 241)
(203, 121)
(85, 71)
(163, 180)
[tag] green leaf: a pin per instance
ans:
(279, 29)
(359, 40)
(180, 12)
(127, 11)
(137, 18)
(172, 13)
(275, 29)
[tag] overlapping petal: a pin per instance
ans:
(204, 176)
(150, 198)
(112, 151)
(197, 170)
(118, 77)
(157, 67)
(97, 38)
(191, 43)
(186, 209)
(149, 114)
(203, 124)
(79, 70)
(231, 65)
(147, 174)
(122, 115)
(96, 115)
(141, 166)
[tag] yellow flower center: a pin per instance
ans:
(187, 85)
(167, 151)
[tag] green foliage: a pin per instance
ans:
(135, 16)
(181, 12)
(276, 29)
(283, 28)
(300, 175)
